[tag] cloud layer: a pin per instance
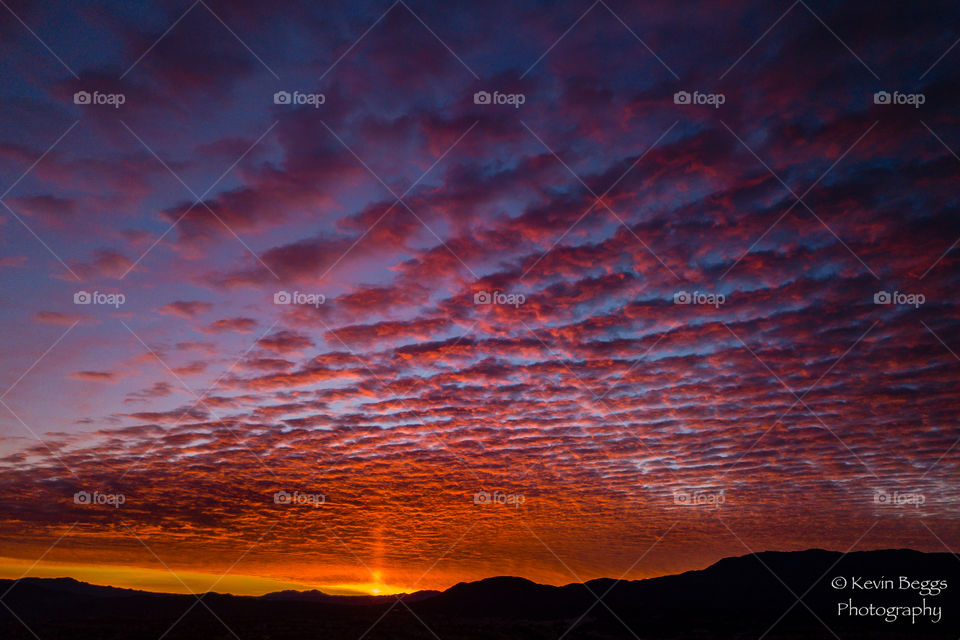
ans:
(697, 293)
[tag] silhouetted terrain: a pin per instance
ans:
(734, 598)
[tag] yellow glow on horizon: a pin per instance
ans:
(375, 588)
(163, 581)
(363, 588)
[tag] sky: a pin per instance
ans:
(377, 297)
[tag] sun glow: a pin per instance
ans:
(145, 579)
(363, 588)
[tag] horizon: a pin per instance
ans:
(391, 295)
(341, 590)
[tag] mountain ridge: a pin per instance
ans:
(68, 583)
(734, 597)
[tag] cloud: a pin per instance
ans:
(94, 376)
(186, 308)
(285, 341)
(12, 261)
(238, 325)
(106, 263)
(58, 318)
(157, 390)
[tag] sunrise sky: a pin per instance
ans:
(490, 295)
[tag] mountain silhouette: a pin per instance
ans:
(319, 596)
(739, 597)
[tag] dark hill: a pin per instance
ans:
(319, 596)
